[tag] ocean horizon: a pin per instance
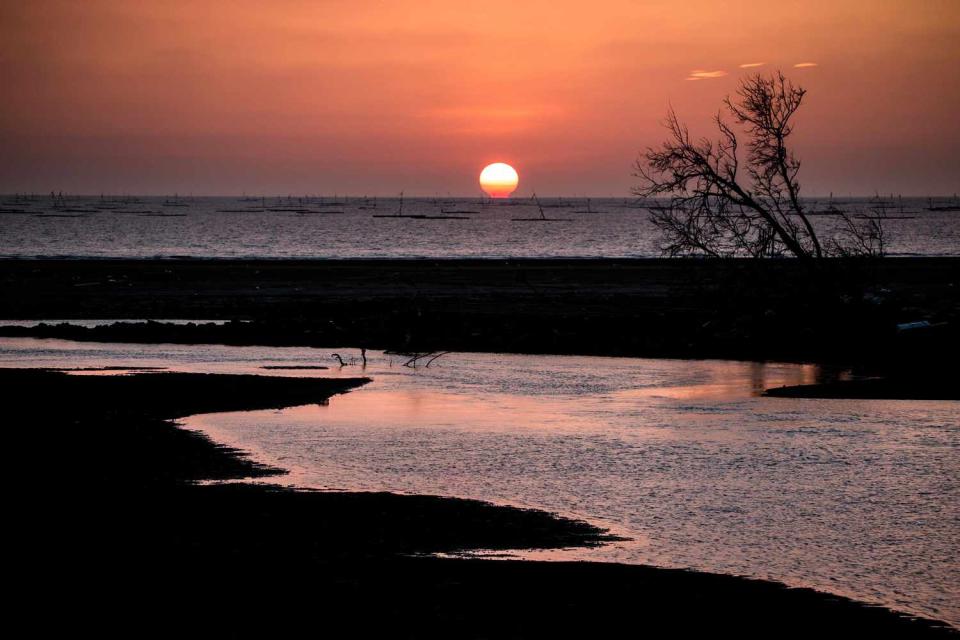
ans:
(374, 227)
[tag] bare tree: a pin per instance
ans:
(722, 205)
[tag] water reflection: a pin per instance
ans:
(855, 497)
(684, 457)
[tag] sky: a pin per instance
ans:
(374, 97)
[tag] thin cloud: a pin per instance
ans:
(751, 65)
(700, 74)
(805, 65)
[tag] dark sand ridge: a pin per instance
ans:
(846, 313)
(121, 541)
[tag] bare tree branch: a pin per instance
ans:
(721, 206)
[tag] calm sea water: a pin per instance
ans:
(316, 227)
(860, 498)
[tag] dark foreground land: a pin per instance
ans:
(119, 539)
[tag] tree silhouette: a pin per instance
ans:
(722, 205)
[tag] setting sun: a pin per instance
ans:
(499, 180)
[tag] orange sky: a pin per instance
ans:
(358, 96)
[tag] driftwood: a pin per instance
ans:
(414, 358)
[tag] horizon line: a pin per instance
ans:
(176, 194)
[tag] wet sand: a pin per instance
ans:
(117, 528)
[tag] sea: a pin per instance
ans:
(367, 227)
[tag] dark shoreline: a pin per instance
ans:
(121, 477)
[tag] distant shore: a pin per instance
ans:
(124, 477)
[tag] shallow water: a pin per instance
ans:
(146, 227)
(860, 498)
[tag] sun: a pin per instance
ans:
(499, 180)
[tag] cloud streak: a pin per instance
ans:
(751, 65)
(700, 74)
(805, 65)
